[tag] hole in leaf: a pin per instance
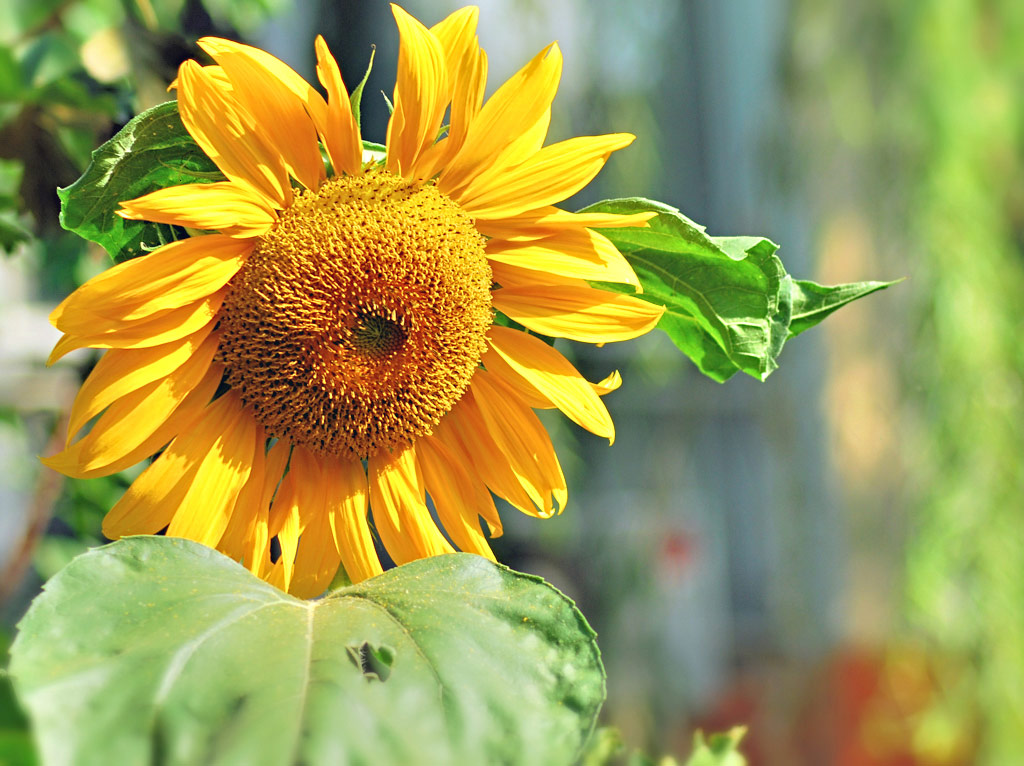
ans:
(374, 662)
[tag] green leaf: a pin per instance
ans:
(356, 97)
(727, 308)
(16, 748)
(730, 305)
(247, 16)
(159, 650)
(718, 749)
(374, 152)
(11, 85)
(151, 152)
(813, 302)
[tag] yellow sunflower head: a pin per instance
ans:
(328, 348)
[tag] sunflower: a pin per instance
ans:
(333, 341)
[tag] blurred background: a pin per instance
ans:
(834, 557)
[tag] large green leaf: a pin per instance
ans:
(151, 152)
(157, 650)
(730, 305)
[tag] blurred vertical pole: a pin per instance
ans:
(290, 38)
(351, 28)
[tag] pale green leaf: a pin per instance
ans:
(156, 650)
(356, 97)
(718, 749)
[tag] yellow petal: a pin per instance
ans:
(150, 502)
(467, 77)
(340, 132)
(223, 206)
(552, 174)
(421, 95)
(347, 501)
(400, 513)
(495, 138)
(317, 557)
(173, 277)
(263, 86)
(256, 552)
(524, 144)
(511, 275)
(446, 435)
(154, 498)
(161, 328)
(464, 432)
(608, 384)
(454, 494)
(236, 542)
(457, 36)
(549, 221)
(135, 416)
(135, 427)
(229, 135)
(216, 72)
(578, 313)
(524, 361)
(521, 438)
(278, 458)
(580, 253)
(299, 498)
(122, 371)
(465, 105)
(306, 93)
(225, 439)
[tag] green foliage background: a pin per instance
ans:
(930, 114)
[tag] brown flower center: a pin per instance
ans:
(358, 322)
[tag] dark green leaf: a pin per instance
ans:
(11, 235)
(813, 302)
(356, 97)
(730, 305)
(247, 16)
(160, 650)
(151, 152)
(47, 57)
(76, 92)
